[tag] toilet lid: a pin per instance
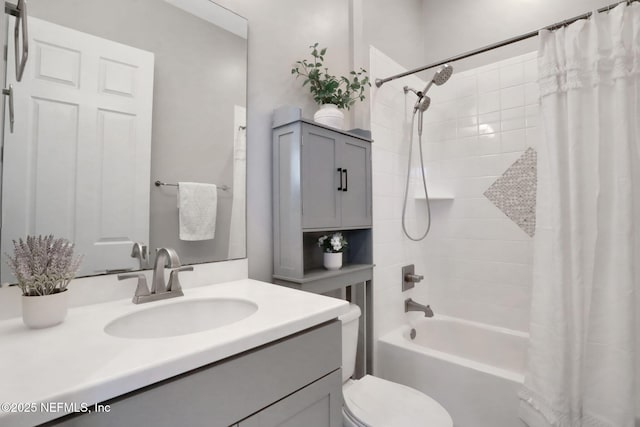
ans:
(377, 402)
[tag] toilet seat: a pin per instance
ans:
(373, 402)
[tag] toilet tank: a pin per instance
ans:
(349, 340)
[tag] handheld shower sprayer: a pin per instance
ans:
(421, 106)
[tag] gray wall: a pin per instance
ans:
(280, 32)
(395, 28)
(199, 76)
(457, 26)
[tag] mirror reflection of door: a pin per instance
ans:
(78, 163)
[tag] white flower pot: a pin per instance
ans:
(333, 261)
(44, 311)
(329, 115)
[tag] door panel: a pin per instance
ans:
(51, 189)
(356, 200)
(320, 179)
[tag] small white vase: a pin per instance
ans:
(45, 310)
(329, 115)
(333, 261)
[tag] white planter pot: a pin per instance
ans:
(329, 115)
(44, 311)
(333, 261)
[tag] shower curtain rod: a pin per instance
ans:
(380, 82)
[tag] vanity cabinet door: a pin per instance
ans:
(355, 161)
(320, 178)
(317, 405)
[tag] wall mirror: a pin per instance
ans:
(118, 94)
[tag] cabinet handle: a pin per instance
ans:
(340, 172)
(346, 180)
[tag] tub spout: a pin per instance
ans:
(411, 305)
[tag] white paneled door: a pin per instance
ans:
(78, 162)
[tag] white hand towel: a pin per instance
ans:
(197, 206)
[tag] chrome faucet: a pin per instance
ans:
(165, 257)
(411, 305)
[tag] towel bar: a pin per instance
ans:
(160, 183)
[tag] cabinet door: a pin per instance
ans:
(317, 405)
(355, 160)
(320, 178)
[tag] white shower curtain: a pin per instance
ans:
(585, 319)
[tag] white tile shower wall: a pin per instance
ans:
(390, 118)
(476, 261)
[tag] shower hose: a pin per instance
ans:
(424, 183)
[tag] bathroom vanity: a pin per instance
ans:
(278, 366)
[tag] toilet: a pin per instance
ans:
(374, 402)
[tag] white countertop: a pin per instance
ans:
(78, 362)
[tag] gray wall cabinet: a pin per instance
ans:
(322, 184)
(295, 381)
(336, 179)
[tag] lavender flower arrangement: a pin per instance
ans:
(43, 265)
(333, 243)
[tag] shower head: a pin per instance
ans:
(440, 77)
(423, 104)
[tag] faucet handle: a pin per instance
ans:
(174, 281)
(142, 290)
(415, 278)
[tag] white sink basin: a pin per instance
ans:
(181, 318)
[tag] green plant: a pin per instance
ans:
(333, 243)
(43, 265)
(328, 89)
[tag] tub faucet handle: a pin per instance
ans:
(415, 278)
(409, 277)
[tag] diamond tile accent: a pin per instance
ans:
(514, 193)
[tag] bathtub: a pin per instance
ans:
(473, 370)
